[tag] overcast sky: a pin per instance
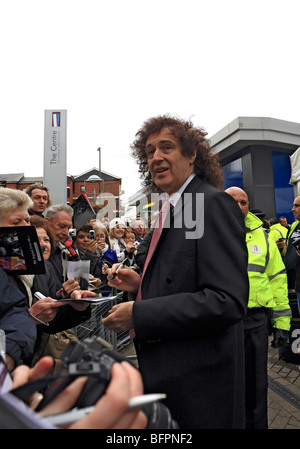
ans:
(113, 64)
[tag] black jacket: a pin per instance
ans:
(189, 325)
(15, 320)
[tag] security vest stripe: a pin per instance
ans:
(278, 230)
(256, 268)
(279, 272)
(279, 313)
(268, 250)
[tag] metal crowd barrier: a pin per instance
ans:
(93, 327)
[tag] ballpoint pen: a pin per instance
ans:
(64, 419)
(119, 268)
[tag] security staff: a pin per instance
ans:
(267, 293)
(277, 231)
(288, 249)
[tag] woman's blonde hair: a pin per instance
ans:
(11, 199)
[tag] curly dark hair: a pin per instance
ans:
(192, 140)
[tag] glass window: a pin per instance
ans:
(283, 190)
(233, 175)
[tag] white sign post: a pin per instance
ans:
(55, 154)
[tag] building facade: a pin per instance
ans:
(91, 182)
(255, 155)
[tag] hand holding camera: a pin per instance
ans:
(90, 369)
(108, 412)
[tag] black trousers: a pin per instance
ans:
(256, 371)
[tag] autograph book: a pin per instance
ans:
(83, 211)
(20, 251)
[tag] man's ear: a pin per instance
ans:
(192, 158)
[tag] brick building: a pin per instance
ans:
(89, 182)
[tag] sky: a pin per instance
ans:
(113, 64)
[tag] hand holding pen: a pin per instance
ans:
(124, 278)
(119, 268)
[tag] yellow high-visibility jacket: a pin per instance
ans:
(267, 274)
(277, 231)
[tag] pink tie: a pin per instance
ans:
(155, 237)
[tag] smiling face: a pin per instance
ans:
(129, 237)
(118, 232)
(44, 240)
(169, 168)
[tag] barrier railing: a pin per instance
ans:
(93, 327)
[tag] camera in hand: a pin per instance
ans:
(91, 357)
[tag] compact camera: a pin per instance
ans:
(93, 357)
(72, 232)
(92, 234)
(136, 244)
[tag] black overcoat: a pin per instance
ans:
(189, 325)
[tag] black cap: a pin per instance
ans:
(258, 213)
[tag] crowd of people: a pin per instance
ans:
(199, 309)
(30, 323)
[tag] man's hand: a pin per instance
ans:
(120, 317)
(78, 294)
(281, 245)
(127, 279)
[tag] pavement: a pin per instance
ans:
(283, 391)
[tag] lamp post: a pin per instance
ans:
(99, 149)
(93, 178)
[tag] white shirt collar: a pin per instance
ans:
(176, 195)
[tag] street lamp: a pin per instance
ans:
(99, 149)
(93, 178)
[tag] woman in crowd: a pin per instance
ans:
(131, 247)
(96, 250)
(107, 255)
(116, 236)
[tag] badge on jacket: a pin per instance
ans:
(255, 249)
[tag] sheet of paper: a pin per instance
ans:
(92, 299)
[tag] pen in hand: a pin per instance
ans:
(64, 419)
(119, 268)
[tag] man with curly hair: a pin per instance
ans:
(193, 293)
